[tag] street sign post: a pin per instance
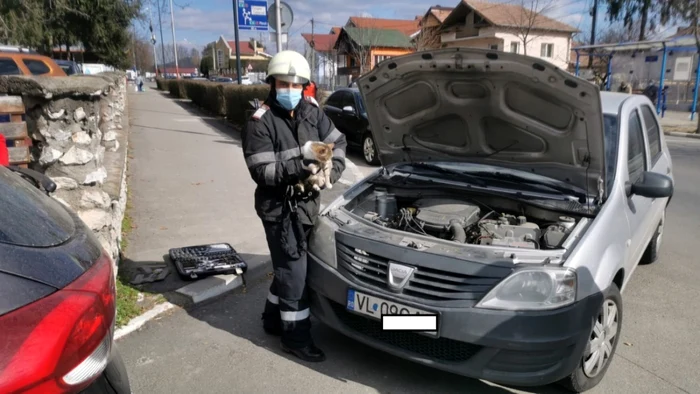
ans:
(252, 15)
(248, 15)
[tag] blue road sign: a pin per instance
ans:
(252, 15)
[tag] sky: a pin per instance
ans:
(198, 22)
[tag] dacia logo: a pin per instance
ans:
(399, 275)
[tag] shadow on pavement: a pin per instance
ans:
(239, 314)
(167, 287)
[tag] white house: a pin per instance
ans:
(507, 28)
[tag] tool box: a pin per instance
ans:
(195, 262)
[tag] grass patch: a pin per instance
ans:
(127, 226)
(127, 303)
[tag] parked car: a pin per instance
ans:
(22, 61)
(347, 111)
(514, 204)
(57, 296)
(69, 67)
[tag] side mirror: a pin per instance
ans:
(348, 110)
(652, 185)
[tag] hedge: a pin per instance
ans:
(220, 99)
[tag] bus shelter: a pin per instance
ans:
(671, 45)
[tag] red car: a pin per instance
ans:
(57, 296)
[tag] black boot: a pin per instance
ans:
(308, 353)
(272, 325)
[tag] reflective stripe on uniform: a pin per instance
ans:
(338, 153)
(259, 158)
(295, 316)
(288, 154)
(333, 136)
(273, 298)
(270, 174)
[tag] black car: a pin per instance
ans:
(348, 114)
(57, 296)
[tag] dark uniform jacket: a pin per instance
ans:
(271, 147)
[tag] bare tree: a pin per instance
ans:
(427, 38)
(195, 56)
(525, 20)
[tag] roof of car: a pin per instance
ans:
(611, 101)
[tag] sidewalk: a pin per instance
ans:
(675, 122)
(189, 185)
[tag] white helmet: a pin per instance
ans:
(289, 66)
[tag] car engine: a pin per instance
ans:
(464, 222)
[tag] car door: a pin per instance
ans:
(637, 208)
(659, 162)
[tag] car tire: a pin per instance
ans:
(588, 372)
(651, 254)
(369, 150)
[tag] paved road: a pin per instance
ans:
(220, 348)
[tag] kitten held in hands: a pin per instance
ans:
(317, 159)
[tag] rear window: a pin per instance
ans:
(28, 217)
(36, 67)
(8, 67)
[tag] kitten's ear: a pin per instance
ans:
(331, 145)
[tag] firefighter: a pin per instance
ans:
(271, 146)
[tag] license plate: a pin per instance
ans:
(376, 307)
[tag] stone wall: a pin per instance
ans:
(79, 128)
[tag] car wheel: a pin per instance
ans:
(601, 345)
(651, 255)
(369, 150)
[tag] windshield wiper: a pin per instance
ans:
(545, 185)
(462, 175)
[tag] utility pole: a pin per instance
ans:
(313, 51)
(162, 42)
(278, 28)
(172, 24)
(133, 40)
(238, 44)
(594, 14)
(153, 41)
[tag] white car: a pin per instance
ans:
(514, 205)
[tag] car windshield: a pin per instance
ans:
(611, 142)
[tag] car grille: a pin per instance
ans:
(426, 283)
(441, 349)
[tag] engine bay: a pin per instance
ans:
(465, 220)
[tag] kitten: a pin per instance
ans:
(317, 159)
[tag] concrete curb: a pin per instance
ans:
(137, 322)
(684, 135)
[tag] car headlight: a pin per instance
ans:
(322, 241)
(533, 288)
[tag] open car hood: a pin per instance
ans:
(472, 105)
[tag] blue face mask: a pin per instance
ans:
(289, 98)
